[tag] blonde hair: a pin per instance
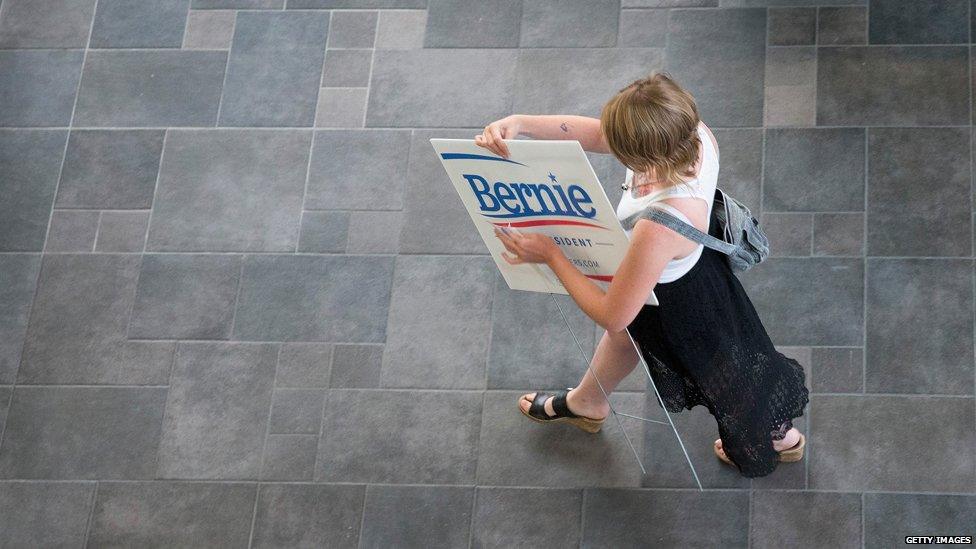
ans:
(653, 123)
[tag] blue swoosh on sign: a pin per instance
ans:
(469, 156)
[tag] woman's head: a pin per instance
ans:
(652, 125)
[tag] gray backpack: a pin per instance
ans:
(744, 243)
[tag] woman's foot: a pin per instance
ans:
(585, 409)
(789, 441)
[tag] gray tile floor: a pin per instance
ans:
(241, 305)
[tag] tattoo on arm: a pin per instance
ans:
(564, 127)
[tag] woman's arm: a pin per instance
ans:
(584, 129)
(652, 245)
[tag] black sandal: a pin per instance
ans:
(537, 411)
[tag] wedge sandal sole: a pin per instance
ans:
(789, 455)
(584, 423)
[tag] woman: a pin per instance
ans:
(704, 343)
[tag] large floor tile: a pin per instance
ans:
(903, 221)
(230, 190)
(399, 437)
(185, 297)
(411, 87)
(577, 80)
(434, 219)
(150, 88)
(814, 169)
(30, 161)
(274, 69)
(473, 23)
(815, 301)
(110, 169)
(664, 458)
(880, 85)
(44, 514)
(427, 516)
(78, 324)
(778, 3)
(919, 326)
(719, 56)
(915, 443)
(507, 517)
(671, 518)
(740, 164)
(217, 411)
(516, 451)
(82, 433)
(362, 4)
(37, 88)
(793, 519)
(359, 170)
(18, 277)
(140, 514)
(314, 298)
(912, 22)
(569, 23)
(237, 4)
(124, 24)
(888, 518)
(290, 515)
(531, 344)
(439, 322)
(45, 23)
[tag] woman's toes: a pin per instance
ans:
(526, 401)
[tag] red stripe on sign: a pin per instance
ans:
(604, 278)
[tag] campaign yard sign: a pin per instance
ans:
(544, 186)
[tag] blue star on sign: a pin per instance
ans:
(552, 177)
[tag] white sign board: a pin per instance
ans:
(546, 187)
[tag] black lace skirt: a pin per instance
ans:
(705, 344)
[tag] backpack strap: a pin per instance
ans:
(668, 220)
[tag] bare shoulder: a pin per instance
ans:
(711, 136)
(657, 237)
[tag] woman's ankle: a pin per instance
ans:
(587, 406)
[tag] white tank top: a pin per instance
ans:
(702, 187)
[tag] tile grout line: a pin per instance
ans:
(435, 128)
(91, 514)
(264, 447)
(237, 301)
(223, 83)
(35, 386)
(582, 524)
(474, 505)
(421, 254)
(752, 498)
(254, 510)
(152, 206)
(308, 171)
(362, 513)
(372, 63)
(864, 282)
(624, 488)
(98, 226)
(132, 305)
(862, 520)
(162, 421)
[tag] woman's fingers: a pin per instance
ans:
(512, 261)
(489, 141)
(496, 136)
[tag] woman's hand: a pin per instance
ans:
(527, 248)
(506, 128)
